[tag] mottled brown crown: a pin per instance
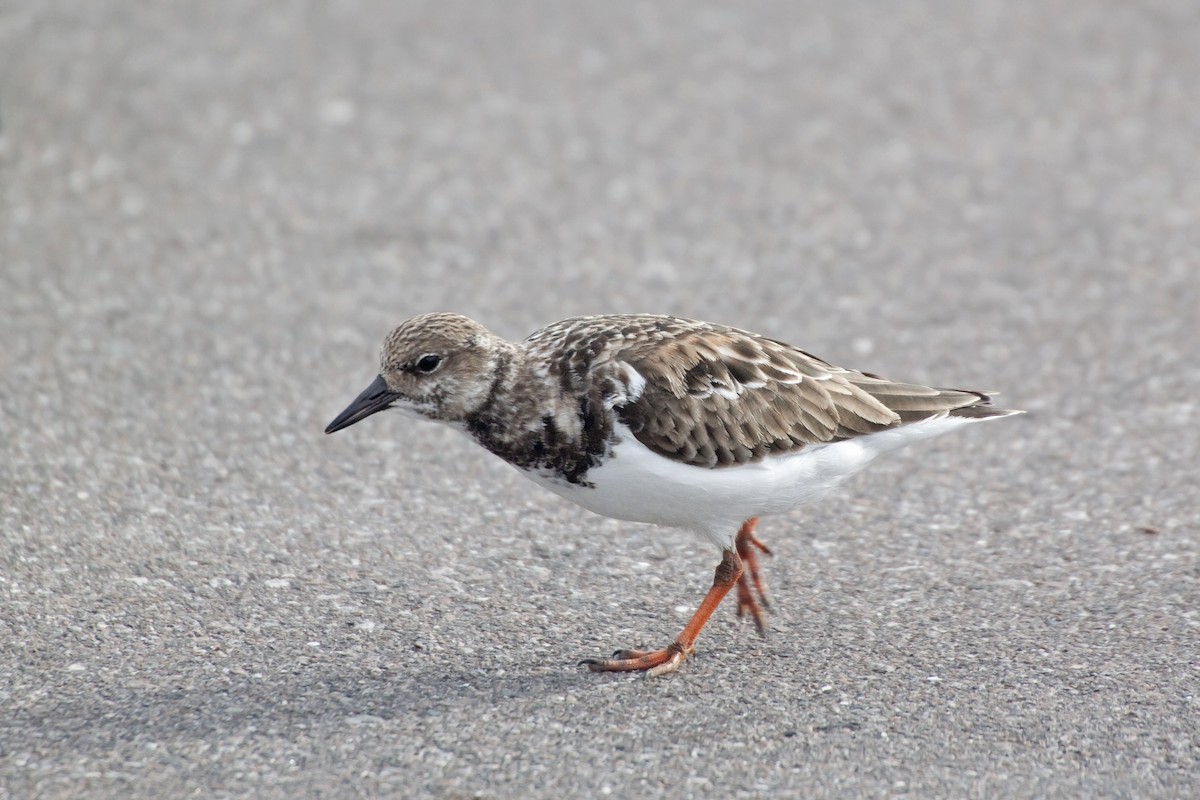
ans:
(436, 332)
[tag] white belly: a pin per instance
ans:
(636, 484)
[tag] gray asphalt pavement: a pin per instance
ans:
(211, 213)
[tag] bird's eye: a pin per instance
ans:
(428, 363)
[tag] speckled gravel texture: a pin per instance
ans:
(211, 213)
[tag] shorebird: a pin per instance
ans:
(662, 420)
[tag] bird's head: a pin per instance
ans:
(441, 366)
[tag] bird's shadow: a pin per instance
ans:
(309, 698)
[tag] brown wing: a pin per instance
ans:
(718, 396)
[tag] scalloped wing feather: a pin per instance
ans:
(718, 396)
(715, 396)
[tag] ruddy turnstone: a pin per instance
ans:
(663, 420)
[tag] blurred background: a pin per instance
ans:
(211, 213)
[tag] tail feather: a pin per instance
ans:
(913, 402)
(984, 410)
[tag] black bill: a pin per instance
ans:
(374, 398)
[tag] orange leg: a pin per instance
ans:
(750, 583)
(668, 659)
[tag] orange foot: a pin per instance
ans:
(668, 659)
(655, 662)
(750, 582)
